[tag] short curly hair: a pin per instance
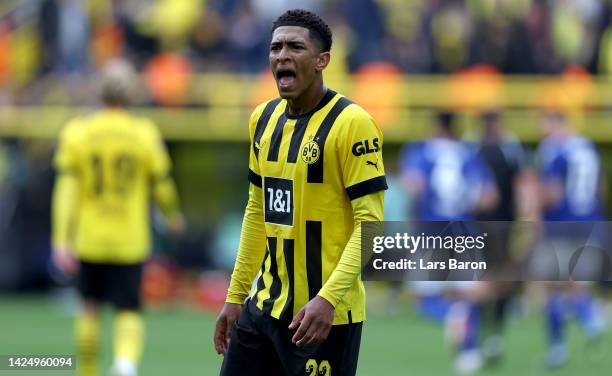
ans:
(317, 28)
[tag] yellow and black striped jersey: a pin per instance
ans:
(114, 158)
(309, 168)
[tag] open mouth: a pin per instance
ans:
(286, 78)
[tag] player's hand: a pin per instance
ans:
(63, 257)
(313, 322)
(223, 328)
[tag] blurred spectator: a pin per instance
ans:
(367, 24)
(64, 31)
(424, 37)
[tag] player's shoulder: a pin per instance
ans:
(355, 118)
(141, 125)
(258, 113)
(269, 105)
(145, 124)
(578, 141)
(74, 128)
(549, 151)
(353, 111)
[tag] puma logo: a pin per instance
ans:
(372, 164)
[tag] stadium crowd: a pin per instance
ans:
(39, 37)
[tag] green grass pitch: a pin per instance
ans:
(179, 342)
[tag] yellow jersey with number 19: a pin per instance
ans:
(114, 157)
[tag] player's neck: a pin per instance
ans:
(307, 101)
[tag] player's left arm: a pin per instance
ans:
(364, 180)
(64, 199)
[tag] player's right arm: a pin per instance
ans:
(64, 201)
(251, 249)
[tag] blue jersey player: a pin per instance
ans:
(448, 181)
(570, 176)
(448, 177)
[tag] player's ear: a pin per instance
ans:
(323, 61)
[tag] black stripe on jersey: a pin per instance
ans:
(301, 124)
(350, 317)
(314, 268)
(277, 136)
(254, 178)
(287, 313)
(262, 122)
(275, 287)
(366, 187)
(260, 282)
(315, 170)
(296, 138)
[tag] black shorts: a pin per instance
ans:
(261, 345)
(111, 283)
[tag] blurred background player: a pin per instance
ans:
(448, 177)
(447, 181)
(570, 174)
(504, 156)
(109, 163)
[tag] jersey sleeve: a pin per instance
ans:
(66, 156)
(368, 208)
(252, 244)
(65, 187)
(251, 249)
(360, 150)
(254, 172)
(163, 186)
(64, 201)
(159, 160)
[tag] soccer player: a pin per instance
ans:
(448, 177)
(572, 190)
(108, 165)
(449, 182)
(316, 172)
(505, 158)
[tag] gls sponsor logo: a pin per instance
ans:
(363, 147)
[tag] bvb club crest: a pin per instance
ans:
(310, 152)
